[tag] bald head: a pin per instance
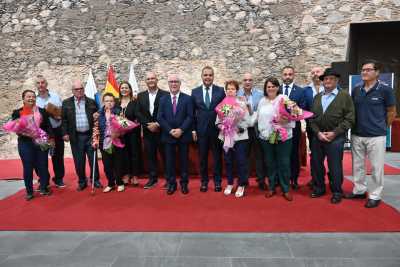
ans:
(248, 82)
(151, 80)
(315, 73)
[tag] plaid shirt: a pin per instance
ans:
(82, 123)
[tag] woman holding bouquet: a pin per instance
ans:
(233, 119)
(103, 137)
(275, 133)
(133, 144)
(34, 140)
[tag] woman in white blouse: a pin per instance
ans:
(238, 152)
(277, 152)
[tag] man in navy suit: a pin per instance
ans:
(205, 98)
(175, 116)
(296, 94)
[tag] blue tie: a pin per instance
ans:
(287, 90)
(207, 100)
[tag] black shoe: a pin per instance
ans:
(29, 197)
(58, 182)
(295, 186)
(97, 184)
(336, 199)
(372, 203)
(316, 194)
(355, 196)
(218, 188)
(150, 184)
(81, 187)
(184, 189)
(262, 186)
(171, 189)
(204, 187)
(45, 192)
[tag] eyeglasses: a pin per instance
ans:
(173, 81)
(367, 70)
(78, 89)
(247, 80)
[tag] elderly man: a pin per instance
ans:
(333, 116)
(253, 96)
(147, 104)
(375, 106)
(175, 116)
(51, 101)
(77, 127)
(296, 94)
(205, 98)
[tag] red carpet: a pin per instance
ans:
(137, 209)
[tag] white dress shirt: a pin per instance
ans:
(289, 89)
(152, 99)
(172, 98)
(209, 92)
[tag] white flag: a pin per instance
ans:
(132, 80)
(90, 87)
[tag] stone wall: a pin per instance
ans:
(63, 39)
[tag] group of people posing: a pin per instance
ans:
(239, 124)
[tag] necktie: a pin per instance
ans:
(174, 104)
(207, 100)
(287, 90)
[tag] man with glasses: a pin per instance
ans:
(375, 110)
(252, 96)
(77, 128)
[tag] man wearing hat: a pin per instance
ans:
(333, 115)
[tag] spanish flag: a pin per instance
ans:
(111, 85)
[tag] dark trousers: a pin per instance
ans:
(333, 152)
(81, 149)
(170, 155)
(133, 147)
(152, 145)
(277, 158)
(310, 137)
(205, 143)
(58, 155)
(254, 147)
(237, 154)
(112, 164)
(33, 157)
(294, 156)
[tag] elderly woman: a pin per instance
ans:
(276, 149)
(133, 144)
(233, 119)
(33, 156)
(112, 156)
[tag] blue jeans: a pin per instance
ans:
(33, 157)
(239, 154)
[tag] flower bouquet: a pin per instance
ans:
(229, 113)
(287, 110)
(117, 126)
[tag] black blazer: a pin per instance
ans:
(68, 125)
(142, 109)
(44, 125)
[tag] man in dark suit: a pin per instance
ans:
(296, 94)
(205, 98)
(77, 127)
(175, 116)
(146, 112)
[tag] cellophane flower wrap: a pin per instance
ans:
(229, 113)
(29, 126)
(116, 125)
(290, 111)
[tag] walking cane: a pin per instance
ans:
(92, 192)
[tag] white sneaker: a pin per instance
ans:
(228, 190)
(239, 191)
(121, 188)
(108, 189)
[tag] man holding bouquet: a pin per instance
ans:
(175, 116)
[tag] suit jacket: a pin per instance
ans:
(204, 119)
(68, 125)
(296, 95)
(183, 118)
(142, 109)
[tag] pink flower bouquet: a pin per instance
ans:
(229, 113)
(117, 126)
(288, 110)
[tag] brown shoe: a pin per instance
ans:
(269, 194)
(287, 196)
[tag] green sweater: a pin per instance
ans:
(338, 117)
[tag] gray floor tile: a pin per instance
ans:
(171, 262)
(43, 243)
(377, 262)
(235, 247)
(257, 262)
(357, 246)
(8, 188)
